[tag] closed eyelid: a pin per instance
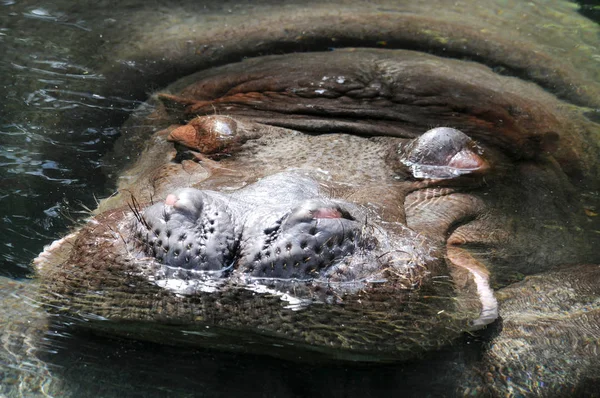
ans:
(443, 153)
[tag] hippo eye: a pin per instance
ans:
(443, 153)
(209, 135)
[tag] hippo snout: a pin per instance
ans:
(281, 227)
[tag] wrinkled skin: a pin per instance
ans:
(305, 199)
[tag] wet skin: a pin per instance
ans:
(307, 213)
(307, 200)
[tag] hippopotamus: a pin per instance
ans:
(362, 204)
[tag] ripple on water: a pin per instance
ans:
(44, 14)
(47, 179)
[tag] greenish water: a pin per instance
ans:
(57, 125)
(54, 127)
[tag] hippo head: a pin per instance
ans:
(307, 200)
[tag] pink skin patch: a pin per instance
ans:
(467, 160)
(171, 200)
(326, 213)
(185, 135)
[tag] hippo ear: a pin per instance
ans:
(472, 280)
(443, 153)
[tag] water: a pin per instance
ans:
(54, 128)
(58, 123)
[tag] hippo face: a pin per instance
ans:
(300, 186)
(282, 195)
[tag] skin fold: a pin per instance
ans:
(361, 204)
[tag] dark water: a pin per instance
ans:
(56, 128)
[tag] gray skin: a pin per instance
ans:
(280, 227)
(422, 222)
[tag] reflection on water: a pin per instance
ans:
(56, 126)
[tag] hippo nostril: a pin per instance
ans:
(301, 242)
(171, 200)
(271, 230)
(326, 213)
(187, 237)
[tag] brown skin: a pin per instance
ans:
(499, 222)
